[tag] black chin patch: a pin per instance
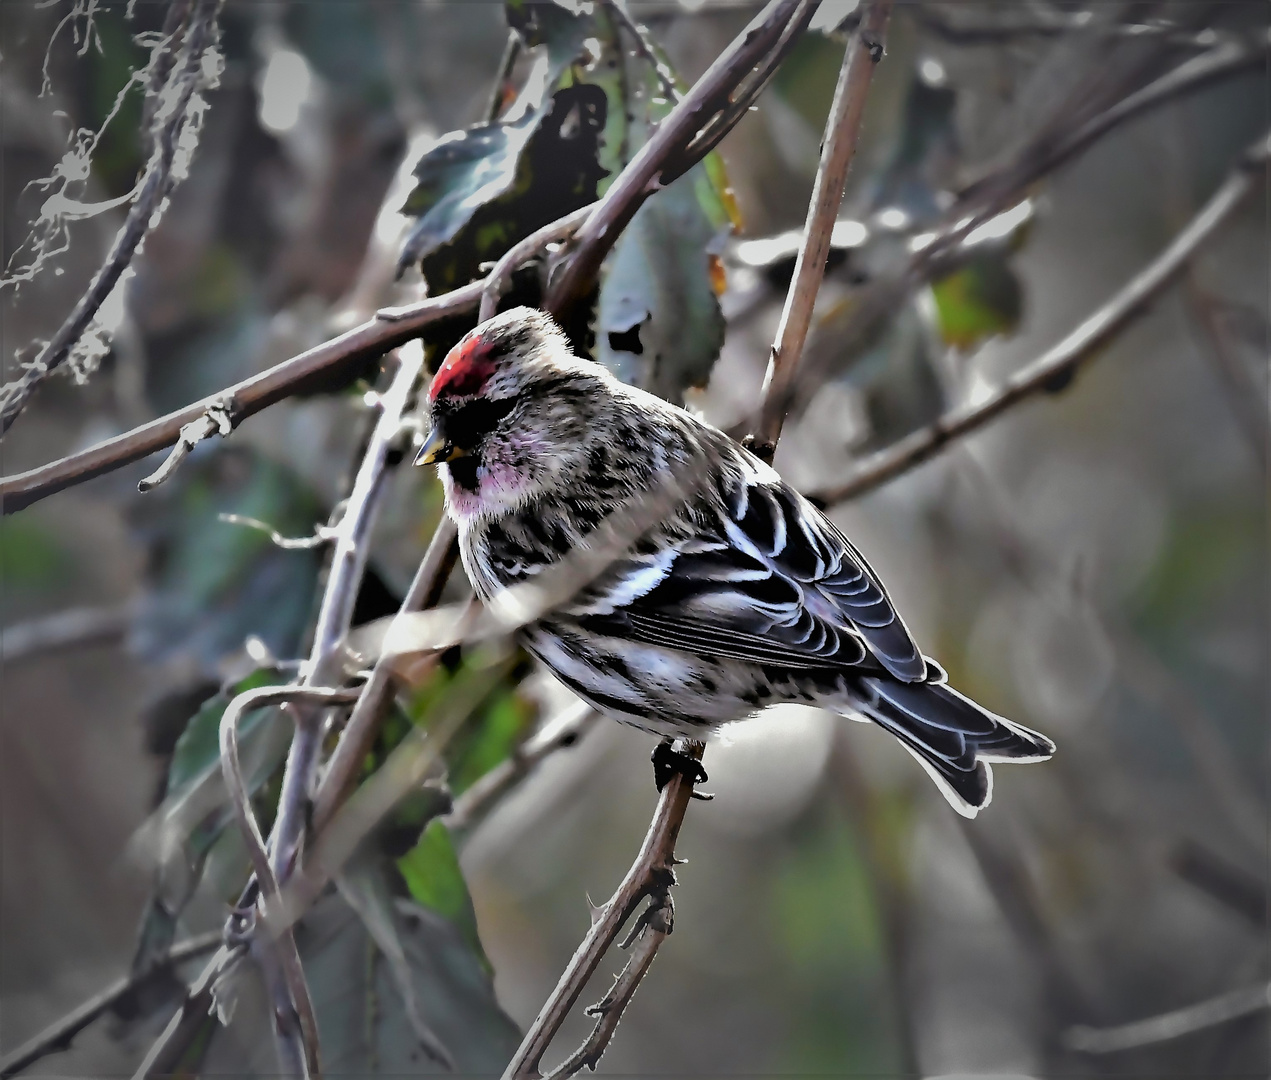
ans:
(463, 471)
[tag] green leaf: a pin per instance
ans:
(198, 750)
(432, 875)
(358, 994)
(215, 583)
(30, 554)
(980, 300)
(505, 722)
(659, 325)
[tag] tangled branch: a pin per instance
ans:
(169, 111)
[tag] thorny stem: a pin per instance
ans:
(652, 871)
(842, 131)
(156, 187)
(1079, 346)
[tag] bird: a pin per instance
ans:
(718, 589)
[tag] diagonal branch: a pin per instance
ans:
(1078, 347)
(58, 1035)
(842, 130)
(711, 94)
(157, 186)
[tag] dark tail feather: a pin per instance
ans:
(952, 737)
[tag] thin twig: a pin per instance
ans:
(557, 734)
(71, 629)
(284, 944)
(407, 767)
(1247, 399)
(1233, 1005)
(157, 185)
(58, 1035)
(344, 353)
(1079, 346)
(842, 130)
(217, 419)
(322, 535)
(995, 193)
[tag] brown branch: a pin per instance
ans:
(522, 252)
(842, 130)
(651, 874)
(296, 1009)
(155, 187)
(359, 733)
(1069, 354)
(58, 1035)
(711, 94)
(332, 358)
(1246, 397)
(997, 192)
(558, 733)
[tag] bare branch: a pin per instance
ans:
(1233, 1005)
(407, 767)
(652, 873)
(644, 175)
(359, 732)
(842, 129)
(557, 734)
(284, 944)
(344, 353)
(1078, 347)
(1247, 399)
(64, 630)
(157, 185)
(58, 1035)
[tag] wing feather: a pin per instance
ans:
(760, 576)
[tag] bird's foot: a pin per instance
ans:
(667, 762)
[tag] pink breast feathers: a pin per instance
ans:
(465, 371)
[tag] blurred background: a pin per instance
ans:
(1093, 564)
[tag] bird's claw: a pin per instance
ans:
(667, 762)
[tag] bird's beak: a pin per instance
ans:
(437, 449)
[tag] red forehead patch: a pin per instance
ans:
(465, 370)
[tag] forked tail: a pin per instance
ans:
(952, 737)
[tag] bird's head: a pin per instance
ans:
(498, 406)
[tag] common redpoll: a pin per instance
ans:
(735, 595)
